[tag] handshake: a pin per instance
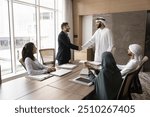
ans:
(79, 48)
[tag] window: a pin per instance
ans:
(47, 3)
(5, 54)
(25, 21)
(28, 1)
(47, 28)
(24, 29)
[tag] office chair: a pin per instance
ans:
(130, 79)
(48, 56)
(136, 86)
(22, 63)
(124, 93)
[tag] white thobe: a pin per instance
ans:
(129, 67)
(103, 41)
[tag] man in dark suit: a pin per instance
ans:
(64, 45)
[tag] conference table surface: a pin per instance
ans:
(54, 88)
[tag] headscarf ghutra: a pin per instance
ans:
(101, 19)
(136, 50)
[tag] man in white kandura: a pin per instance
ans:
(135, 54)
(102, 39)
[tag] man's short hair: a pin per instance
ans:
(64, 24)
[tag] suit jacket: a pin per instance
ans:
(64, 46)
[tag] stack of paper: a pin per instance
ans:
(95, 63)
(39, 77)
(67, 66)
(84, 71)
(60, 72)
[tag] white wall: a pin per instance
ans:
(86, 28)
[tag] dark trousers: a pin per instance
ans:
(60, 62)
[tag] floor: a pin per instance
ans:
(145, 82)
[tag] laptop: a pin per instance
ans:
(60, 72)
(39, 77)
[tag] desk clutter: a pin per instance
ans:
(60, 87)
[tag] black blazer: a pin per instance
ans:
(64, 46)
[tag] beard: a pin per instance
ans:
(67, 30)
(99, 25)
(129, 54)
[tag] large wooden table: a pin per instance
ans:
(54, 88)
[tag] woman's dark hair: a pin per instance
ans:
(27, 51)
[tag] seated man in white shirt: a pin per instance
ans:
(135, 53)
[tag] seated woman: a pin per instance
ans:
(108, 81)
(135, 54)
(31, 63)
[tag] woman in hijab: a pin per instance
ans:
(135, 54)
(31, 63)
(108, 81)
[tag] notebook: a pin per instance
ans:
(60, 72)
(67, 66)
(82, 80)
(39, 77)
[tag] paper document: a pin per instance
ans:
(82, 61)
(95, 63)
(39, 77)
(60, 72)
(67, 66)
(84, 71)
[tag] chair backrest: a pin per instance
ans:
(144, 60)
(48, 56)
(126, 84)
(22, 63)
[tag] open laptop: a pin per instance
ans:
(39, 77)
(60, 72)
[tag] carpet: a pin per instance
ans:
(144, 78)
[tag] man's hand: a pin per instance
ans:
(80, 48)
